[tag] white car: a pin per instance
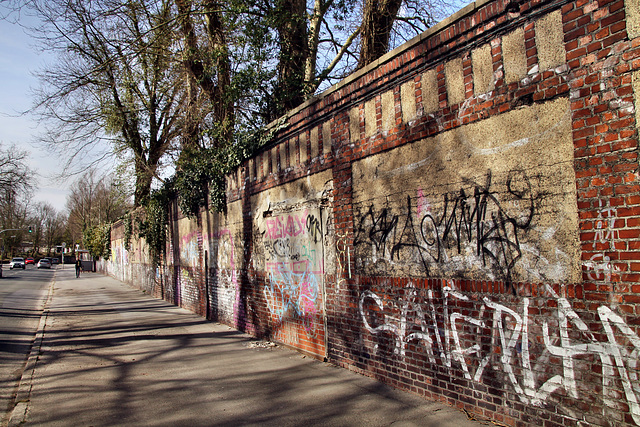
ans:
(17, 263)
(44, 263)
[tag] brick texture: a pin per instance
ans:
(454, 257)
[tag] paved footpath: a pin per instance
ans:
(106, 354)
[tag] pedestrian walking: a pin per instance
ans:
(78, 266)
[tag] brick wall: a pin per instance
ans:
(460, 219)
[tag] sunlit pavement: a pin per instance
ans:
(106, 354)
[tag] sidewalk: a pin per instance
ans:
(111, 355)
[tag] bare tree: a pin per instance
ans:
(94, 200)
(15, 191)
(115, 82)
(47, 226)
(320, 42)
(14, 174)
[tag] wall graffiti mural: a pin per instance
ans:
(294, 268)
(189, 253)
(293, 294)
(226, 302)
(479, 228)
(119, 260)
(455, 337)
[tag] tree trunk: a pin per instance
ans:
(215, 86)
(143, 183)
(291, 24)
(377, 22)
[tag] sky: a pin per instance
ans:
(18, 61)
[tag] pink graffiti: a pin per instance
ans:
(293, 225)
(422, 204)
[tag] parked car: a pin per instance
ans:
(44, 263)
(17, 263)
(55, 261)
(29, 260)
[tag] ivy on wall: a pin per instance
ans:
(199, 182)
(128, 230)
(200, 172)
(153, 228)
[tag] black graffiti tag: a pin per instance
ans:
(472, 216)
(313, 228)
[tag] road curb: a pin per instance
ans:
(19, 412)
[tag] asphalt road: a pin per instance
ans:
(22, 295)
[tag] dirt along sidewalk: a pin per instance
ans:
(107, 354)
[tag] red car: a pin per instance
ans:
(29, 261)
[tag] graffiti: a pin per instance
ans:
(294, 266)
(599, 264)
(313, 228)
(189, 252)
(343, 257)
(605, 223)
(292, 295)
(286, 249)
(293, 226)
(439, 332)
(281, 248)
(599, 267)
(227, 301)
(471, 222)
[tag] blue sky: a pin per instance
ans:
(18, 61)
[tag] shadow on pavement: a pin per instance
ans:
(114, 356)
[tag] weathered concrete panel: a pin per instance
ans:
(550, 41)
(290, 226)
(388, 110)
(493, 200)
(187, 230)
(303, 148)
(632, 9)
(514, 56)
(430, 97)
(370, 120)
(293, 153)
(482, 70)
(326, 137)
(314, 142)
(455, 81)
(408, 100)
(274, 159)
(354, 124)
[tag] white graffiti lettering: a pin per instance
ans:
(510, 332)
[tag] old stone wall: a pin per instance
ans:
(460, 219)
